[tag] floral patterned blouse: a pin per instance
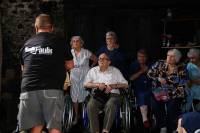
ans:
(176, 82)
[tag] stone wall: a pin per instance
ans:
(18, 22)
(17, 25)
(0, 53)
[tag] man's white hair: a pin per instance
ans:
(113, 34)
(193, 52)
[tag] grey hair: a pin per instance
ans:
(177, 54)
(80, 38)
(193, 52)
(113, 34)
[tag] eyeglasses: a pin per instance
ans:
(108, 38)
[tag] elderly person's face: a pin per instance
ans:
(103, 61)
(142, 58)
(194, 59)
(171, 58)
(76, 42)
(110, 41)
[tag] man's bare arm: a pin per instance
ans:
(22, 67)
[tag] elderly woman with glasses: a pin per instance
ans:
(169, 81)
(193, 68)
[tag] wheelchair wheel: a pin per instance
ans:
(85, 116)
(68, 113)
(126, 115)
(118, 117)
(153, 121)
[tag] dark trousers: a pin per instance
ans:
(166, 113)
(110, 108)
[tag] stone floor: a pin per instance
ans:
(8, 119)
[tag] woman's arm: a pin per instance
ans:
(197, 81)
(153, 72)
(135, 75)
(22, 68)
(138, 73)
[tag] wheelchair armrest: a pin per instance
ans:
(88, 89)
(90, 93)
(123, 92)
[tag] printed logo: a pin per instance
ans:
(39, 50)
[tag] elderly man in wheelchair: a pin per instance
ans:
(105, 83)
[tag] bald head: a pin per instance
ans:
(44, 23)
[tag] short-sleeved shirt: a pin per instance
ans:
(111, 76)
(116, 56)
(191, 121)
(83, 59)
(43, 57)
(194, 74)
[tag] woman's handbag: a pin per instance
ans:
(170, 92)
(159, 93)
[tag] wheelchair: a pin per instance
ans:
(130, 96)
(68, 113)
(136, 118)
(122, 115)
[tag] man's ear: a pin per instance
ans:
(36, 29)
(52, 28)
(109, 62)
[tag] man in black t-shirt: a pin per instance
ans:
(43, 60)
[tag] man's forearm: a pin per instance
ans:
(91, 85)
(121, 85)
(114, 86)
(22, 67)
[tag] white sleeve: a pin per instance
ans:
(119, 77)
(89, 77)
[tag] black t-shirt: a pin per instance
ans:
(43, 57)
